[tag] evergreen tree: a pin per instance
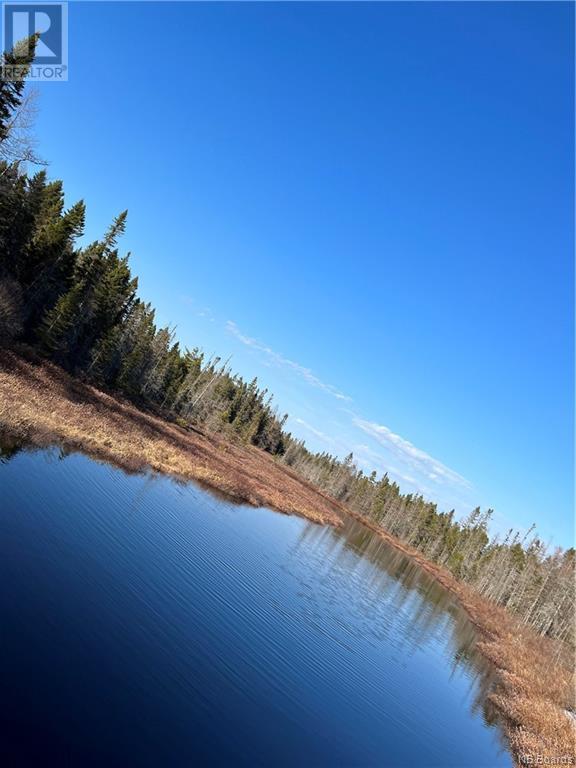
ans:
(15, 67)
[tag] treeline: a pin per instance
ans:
(79, 307)
(516, 571)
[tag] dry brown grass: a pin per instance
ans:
(41, 403)
(535, 676)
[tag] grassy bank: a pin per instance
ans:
(42, 404)
(535, 675)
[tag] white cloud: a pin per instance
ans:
(316, 432)
(419, 460)
(370, 459)
(404, 462)
(204, 312)
(283, 362)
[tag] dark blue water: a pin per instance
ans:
(145, 623)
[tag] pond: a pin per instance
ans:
(150, 623)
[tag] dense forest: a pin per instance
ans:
(79, 307)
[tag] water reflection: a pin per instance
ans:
(10, 446)
(417, 606)
(146, 622)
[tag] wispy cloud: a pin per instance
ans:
(199, 311)
(399, 457)
(320, 435)
(419, 460)
(369, 459)
(284, 362)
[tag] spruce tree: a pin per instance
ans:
(15, 67)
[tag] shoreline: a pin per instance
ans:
(534, 691)
(40, 403)
(43, 405)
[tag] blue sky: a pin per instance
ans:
(370, 206)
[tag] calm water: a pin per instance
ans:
(146, 623)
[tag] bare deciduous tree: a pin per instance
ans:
(19, 144)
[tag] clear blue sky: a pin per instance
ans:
(369, 205)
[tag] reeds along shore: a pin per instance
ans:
(42, 404)
(535, 694)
